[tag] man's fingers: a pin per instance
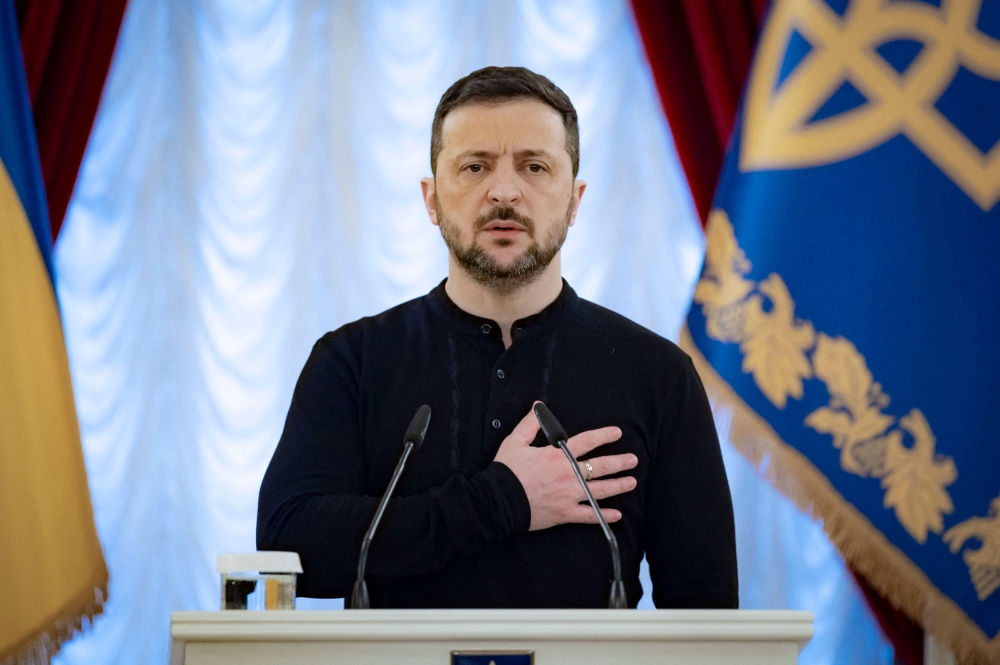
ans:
(584, 442)
(608, 465)
(525, 431)
(602, 489)
(585, 515)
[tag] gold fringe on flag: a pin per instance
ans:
(44, 644)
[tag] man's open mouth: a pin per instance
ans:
(503, 225)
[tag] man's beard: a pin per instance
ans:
(483, 268)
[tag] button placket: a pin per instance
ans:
(497, 392)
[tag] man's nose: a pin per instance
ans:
(504, 189)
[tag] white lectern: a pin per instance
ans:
(431, 637)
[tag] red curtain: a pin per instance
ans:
(67, 47)
(906, 636)
(700, 52)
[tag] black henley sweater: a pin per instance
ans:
(456, 533)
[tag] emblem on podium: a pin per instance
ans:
(492, 657)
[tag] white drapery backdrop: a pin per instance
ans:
(252, 182)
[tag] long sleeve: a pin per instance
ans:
(689, 531)
(315, 498)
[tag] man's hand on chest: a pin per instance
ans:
(551, 486)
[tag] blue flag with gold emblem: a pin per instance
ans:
(847, 316)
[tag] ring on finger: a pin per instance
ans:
(590, 469)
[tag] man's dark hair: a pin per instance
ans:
(496, 85)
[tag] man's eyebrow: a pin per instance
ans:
(479, 154)
(489, 154)
(527, 154)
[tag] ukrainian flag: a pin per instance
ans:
(846, 320)
(52, 571)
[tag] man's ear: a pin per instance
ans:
(430, 199)
(579, 186)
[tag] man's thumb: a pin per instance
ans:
(525, 431)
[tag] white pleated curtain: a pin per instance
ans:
(252, 181)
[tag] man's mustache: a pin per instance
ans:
(506, 214)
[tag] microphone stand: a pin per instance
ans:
(414, 437)
(359, 599)
(557, 436)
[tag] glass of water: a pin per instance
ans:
(258, 580)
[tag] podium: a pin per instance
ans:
(540, 637)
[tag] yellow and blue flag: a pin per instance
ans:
(52, 571)
(847, 316)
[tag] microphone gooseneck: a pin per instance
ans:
(556, 436)
(414, 437)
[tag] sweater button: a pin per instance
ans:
(496, 424)
(500, 373)
(487, 328)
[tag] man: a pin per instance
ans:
(486, 514)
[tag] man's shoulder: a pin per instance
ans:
(615, 329)
(351, 337)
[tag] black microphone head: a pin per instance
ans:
(551, 428)
(417, 430)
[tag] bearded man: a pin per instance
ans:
(487, 514)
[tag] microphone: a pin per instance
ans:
(556, 436)
(415, 434)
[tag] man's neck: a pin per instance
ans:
(504, 308)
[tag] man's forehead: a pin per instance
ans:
(522, 125)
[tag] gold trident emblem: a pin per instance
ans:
(777, 133)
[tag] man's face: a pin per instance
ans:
(504, 194)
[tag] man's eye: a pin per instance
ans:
(475, 168)
(534, 168)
